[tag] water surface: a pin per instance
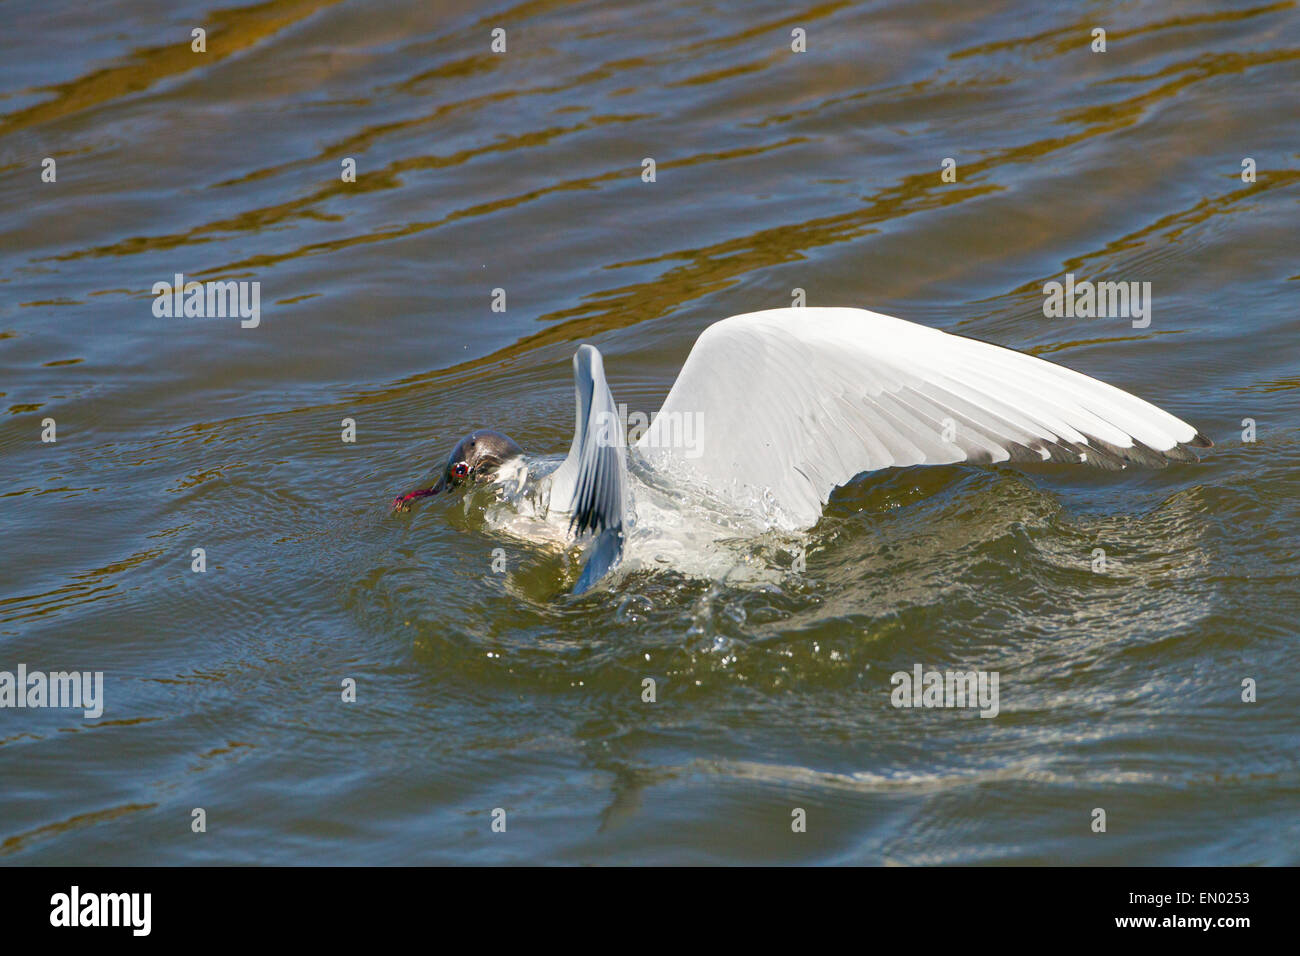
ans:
(523, 171)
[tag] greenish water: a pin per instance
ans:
(775, 170)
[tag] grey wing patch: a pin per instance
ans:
(602, 556)
(593, 480)
(600, 485)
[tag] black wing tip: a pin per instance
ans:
(599, 502)
(1115, 457)
(590, 518)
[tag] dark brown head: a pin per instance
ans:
(476, 457)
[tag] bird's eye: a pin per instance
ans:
(460, 469)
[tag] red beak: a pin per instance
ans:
(401, 501)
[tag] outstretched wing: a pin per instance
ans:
(591, 484)
(785, 405)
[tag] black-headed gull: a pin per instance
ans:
(774, 410)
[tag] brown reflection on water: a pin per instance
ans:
(228, 32)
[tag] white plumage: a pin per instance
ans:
(773, 410)
(791, 403)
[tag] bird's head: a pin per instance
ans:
(476, 457)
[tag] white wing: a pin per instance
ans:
(783, 406)
(591, 483)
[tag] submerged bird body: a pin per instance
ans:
(774, 410)
(524, 502)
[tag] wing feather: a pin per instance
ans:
(591, 484)
(791, 403)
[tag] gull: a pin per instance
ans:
(773, 410)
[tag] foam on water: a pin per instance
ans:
(674, 526)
